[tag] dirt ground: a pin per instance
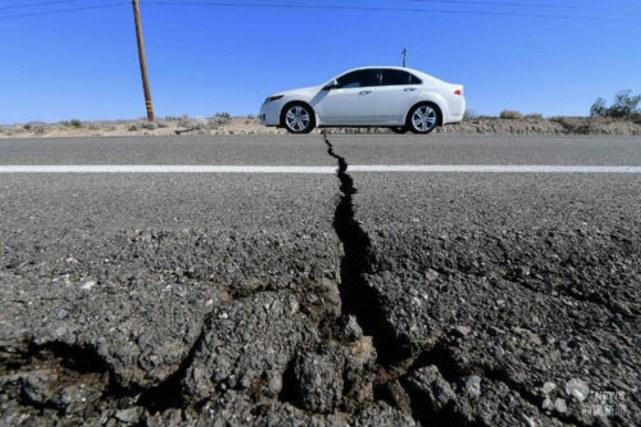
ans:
(220, 125)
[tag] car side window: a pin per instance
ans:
(360, 78)
(399, 78)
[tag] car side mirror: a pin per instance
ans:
(332, 85)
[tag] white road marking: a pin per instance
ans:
(247, 169)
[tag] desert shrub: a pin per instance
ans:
(470, 115)
(599, 108)
(510, 115)
(573, 125)
(534, 116)
(73, 123)
(193, 122)
(149, 125)
(625, 106)
(251, 116)
(215, 122)
(219, 119)
(36, 127)
(135, 126)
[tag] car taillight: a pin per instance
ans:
(458, 92)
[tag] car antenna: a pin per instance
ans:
(404, 57)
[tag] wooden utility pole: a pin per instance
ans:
(404, 57)
(143, 61)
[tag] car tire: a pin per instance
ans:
(298, 118)
(399, 129)
(423, 118)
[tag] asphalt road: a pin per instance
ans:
(305, 150)
(361, 299)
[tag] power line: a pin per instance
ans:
(506, 4)
(337, 7)
(41, 3)
(274, 5)
(58, 11)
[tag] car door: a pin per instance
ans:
(351, 102)
(394, 96)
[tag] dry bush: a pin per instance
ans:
(223, 115)
(73, 123)
(510, 115)
(534, 116)
(470, 115)
(217, 121)
(149, 125)
(135, 126)
(625, 106)
(38, 128)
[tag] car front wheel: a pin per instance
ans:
(423, 118)
(298, 118)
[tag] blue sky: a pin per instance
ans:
(205, 59)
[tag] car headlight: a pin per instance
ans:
(274, 98)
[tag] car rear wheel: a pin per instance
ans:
(399, 129)
(298, 118)
(423, 118)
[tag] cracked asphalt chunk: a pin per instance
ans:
(131, 293)
(527, 298)
(248, 344)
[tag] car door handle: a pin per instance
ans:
(365, 92)
(409, 89)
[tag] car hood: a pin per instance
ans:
(309, 91)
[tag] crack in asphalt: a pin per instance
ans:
(168, 394)
(66, 364)
(358, 298)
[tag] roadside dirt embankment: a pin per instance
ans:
(249, 126)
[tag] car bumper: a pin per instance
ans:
(269, 114)
(456, 110)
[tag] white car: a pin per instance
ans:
(399, 98)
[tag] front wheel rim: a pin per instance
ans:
(424, 118)
(297, 118)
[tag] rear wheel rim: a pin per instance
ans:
(297, 118)
(424, 118)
